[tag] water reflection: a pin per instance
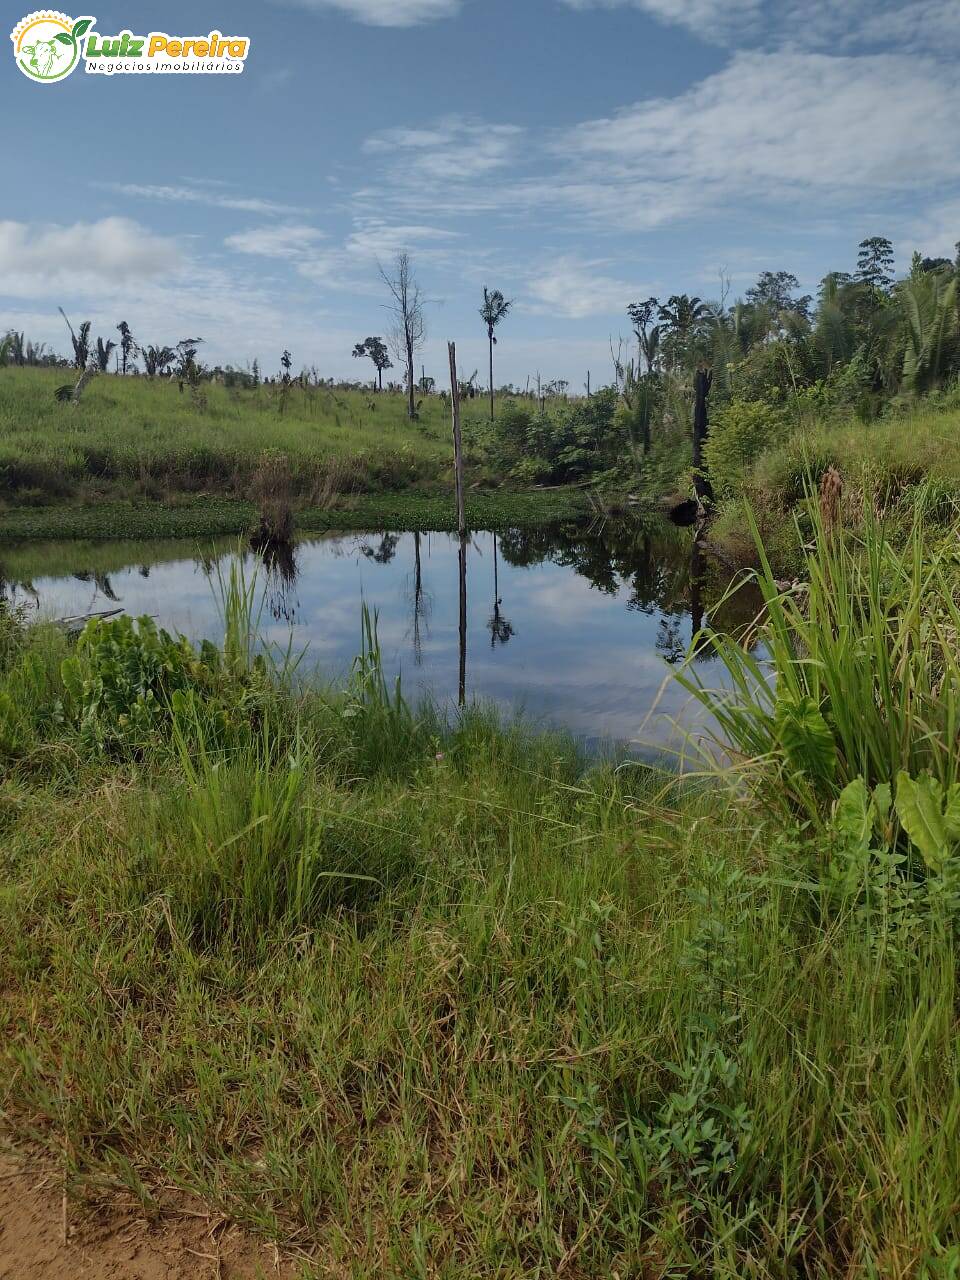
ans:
(500, 627)
(575, 626)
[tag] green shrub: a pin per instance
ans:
(571, 442)
(120, 683)
(740, 432)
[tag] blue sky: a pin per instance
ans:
(576, 154)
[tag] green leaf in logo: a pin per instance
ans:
(81, 27)
(63, 37)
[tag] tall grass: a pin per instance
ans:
(429, 1000)
(857, 669)
(134, 435)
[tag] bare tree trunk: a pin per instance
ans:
(457, 437)
(702, 382)
(491, 376)
(411, 394)
(417, 600)
(461, 520)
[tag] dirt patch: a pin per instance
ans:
(38, 1241)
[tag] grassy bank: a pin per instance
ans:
(138, 436)
(427, 999)
(210, 516)
(887, 466)
(137, 459)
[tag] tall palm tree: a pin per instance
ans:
(929, 304)
(156, 360)
(835, 335)
(81, 342)
(102, 354)
(128, 345)
(648, 338)
(682, 315)
(495, 307)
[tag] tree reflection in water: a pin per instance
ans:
(422, 602)
(500, 628)
(662, 567)
(280, 562)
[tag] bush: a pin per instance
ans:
(740, 432)
(126, 678)
(573, 442)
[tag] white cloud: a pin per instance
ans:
(239, 316)
(452, 150)
(713, 20)
(766, 130)
(377, 239)
(937, 230)
(808, 24)
(770, 126)
(193, 195)
(287, 240)
(574, 288)
(387, 13)
(47, 258)
(350, 265)
(924, 24)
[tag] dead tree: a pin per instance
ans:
(409, 328)
(702, 382)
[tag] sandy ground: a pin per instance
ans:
(116, 1241)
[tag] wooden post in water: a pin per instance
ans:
(461, 518)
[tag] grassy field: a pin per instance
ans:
(143, 437)
(420, 999)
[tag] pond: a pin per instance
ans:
(571, 627)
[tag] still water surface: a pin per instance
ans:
(574, 628)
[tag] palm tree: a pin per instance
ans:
(156, 360)
(834, 335)
(929, 302)
(81, 342)
(128, 345)
(648, 338)
(681, 313)
(102, 354)
(495, 307)
(681, 316)
(17, 348)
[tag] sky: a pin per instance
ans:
(575, 154)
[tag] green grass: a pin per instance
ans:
(210, 517)
(440, 1000)
(895, 462)
(142, 436)
(136, 459)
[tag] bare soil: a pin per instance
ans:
(44, 1238)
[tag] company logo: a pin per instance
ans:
(48, 46)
